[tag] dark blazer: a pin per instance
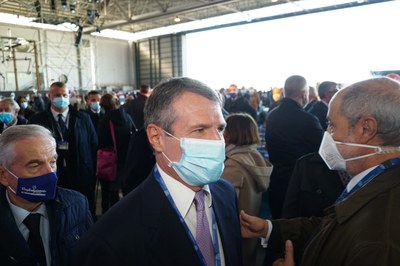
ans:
(312, 188)
(320, 110)
(135, 109)
(69, 218)
(143, 229)
(290, 133)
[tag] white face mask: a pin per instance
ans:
(335, 161)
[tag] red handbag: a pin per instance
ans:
(106, 167)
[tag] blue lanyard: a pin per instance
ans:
(214, 225)
(366, 179)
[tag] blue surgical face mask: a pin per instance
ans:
(23, 105)
(95, 106)
(202, 160)
(6, 117)
(61, 102)
(36, 189)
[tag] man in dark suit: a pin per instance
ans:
(9, 114)
(290, 133)
(162, 221)
(76, 142)
(326, 90)
(28, 188)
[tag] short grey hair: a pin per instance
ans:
(13, 134)
(158, 109)
(379, 98)
(294, 86)
(13, 104)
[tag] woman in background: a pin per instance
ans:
(247, 170)
(123, 129)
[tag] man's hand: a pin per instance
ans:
(252, 226)
(288, 260)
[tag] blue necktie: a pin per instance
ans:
(62, 125)
(32, 222)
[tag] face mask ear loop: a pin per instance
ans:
(169, 161)
(13, 191)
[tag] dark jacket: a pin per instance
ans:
(240, 105)
(135, 109)
(320, 110)
(149, 232)
(123, 129)
(312, 188)
(290, 133)
(69, 219)
(362, 230)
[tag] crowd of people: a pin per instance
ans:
(194, 168)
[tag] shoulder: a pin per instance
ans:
(68, 197)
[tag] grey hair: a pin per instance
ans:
(13, 134)
(13, 104)
(294, 86)
(158, 109)
(379, 98)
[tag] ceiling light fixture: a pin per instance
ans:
(177, 19)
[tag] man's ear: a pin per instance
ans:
(369, 129)
(3, 178)
(154, 134)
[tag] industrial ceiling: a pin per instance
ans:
(128, 15)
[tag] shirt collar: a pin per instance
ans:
(64, 114)
(20, 214)
(353, 181)
(181, 194)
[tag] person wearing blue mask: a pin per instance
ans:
(362, 226)
(183, 213)
(29, 189)
(9, 114)
(93, 108)
(76, 142)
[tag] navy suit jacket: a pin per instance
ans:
(69, 218)
(143, 229)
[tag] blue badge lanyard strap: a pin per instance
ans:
(182, 220)
(366, 179)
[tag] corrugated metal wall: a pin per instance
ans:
(159, 58)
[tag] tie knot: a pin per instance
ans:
(32, 221)
(199, 200)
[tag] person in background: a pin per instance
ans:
(76, 142)
(28, 193)
(313, 98)
(290, 133)
(247, 170)
(135, 107)
(25, 110)
(140, 158)
(93, 108)
(361, 228)
(183, 213)
(326, 90)
(237, 103)
(9, 114)
(123, 128)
